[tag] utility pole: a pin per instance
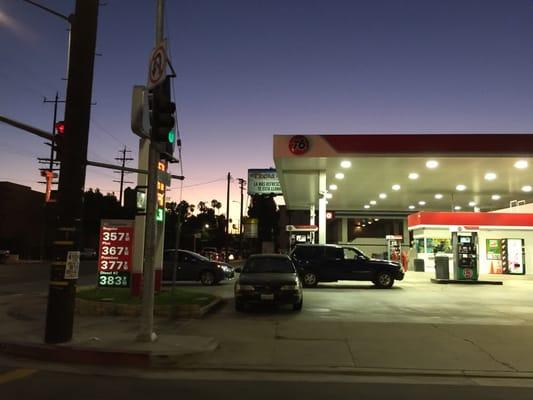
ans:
(52, 163)
(55, 101)
(242, 182)
(49, 174)
(62, 287)
(227, 215)
(146, 333)
(123, 160)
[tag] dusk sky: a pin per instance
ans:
(249, 69)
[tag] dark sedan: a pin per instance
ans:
(192, 266)
(268, 278)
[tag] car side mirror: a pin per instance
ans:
(238, 270)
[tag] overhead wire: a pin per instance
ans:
(101, 128)
(178, 133)
(205, 183)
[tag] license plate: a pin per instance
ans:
(267, 297)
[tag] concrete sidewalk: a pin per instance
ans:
(258, 342)
(106, 340)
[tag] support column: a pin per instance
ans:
(405, 233)
(312, 220)
(344, 230)
(321, 207)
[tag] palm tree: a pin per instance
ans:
(216, 204)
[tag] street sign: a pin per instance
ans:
(114, 258)
(72, 267)
(140, 120)
(157, 66)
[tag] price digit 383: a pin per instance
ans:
(110, 280)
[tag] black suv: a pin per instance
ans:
(329, 263)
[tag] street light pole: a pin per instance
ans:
(242, 182)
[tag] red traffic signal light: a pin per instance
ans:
(60, 127)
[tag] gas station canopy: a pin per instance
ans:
(405, 173)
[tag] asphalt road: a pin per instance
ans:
(33, 277)
(23, 383)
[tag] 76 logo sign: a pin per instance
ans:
(298, 145)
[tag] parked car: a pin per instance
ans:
(211, 253)
(268, 278)
(192, 266)
(4, 255)
(329, 263)
(88, 254)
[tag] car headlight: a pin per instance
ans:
(244, 288)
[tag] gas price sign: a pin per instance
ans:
(114, 258)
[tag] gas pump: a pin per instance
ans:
(394, 247)
(465, 260)
(301, 234)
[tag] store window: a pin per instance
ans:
(506, 256)
(438, 245)
(419, 245)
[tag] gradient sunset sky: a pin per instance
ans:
(249, 69)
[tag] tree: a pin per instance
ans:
(177, 215)
(96, 207)
(264, 208)
(217, 205)
(204, 222)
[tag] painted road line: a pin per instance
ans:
(16, 374)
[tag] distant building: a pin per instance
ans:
(21, 220)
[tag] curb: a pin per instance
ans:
(76, 354)
(455, 281)
(159, 360)
(85, 355)
(101, 308)
(363, 371)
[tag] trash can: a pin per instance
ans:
(419, 265)
(442, 268)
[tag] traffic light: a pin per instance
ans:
(162, 119)
(58, 139)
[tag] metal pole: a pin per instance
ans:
(175, 256)
(53, 133)
(241, 181)
(122, 175)
(227, 216)
(147, 333)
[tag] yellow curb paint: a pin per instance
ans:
(58, 283)
(16, 374)
(59, 263)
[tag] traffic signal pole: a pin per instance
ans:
(62, 290)
(146, 332)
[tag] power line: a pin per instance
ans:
(101, 128)
(178, 133)
(205, 183)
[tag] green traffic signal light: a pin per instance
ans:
(171, 136)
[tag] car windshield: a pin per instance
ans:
(268, 265)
